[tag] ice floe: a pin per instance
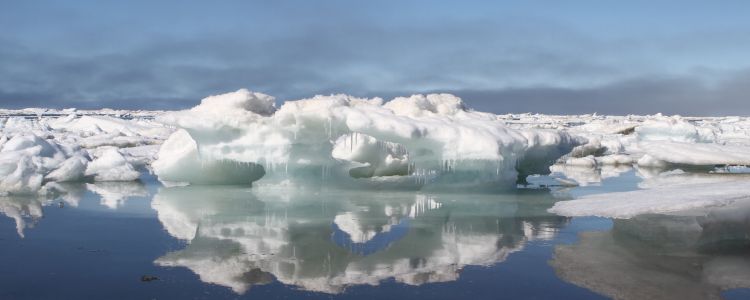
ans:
(672, 197)
(422, 140)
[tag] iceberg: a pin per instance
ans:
(422, 141)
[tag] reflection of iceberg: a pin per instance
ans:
(114, 194)
(585, 175)
(328, 240)
(26, 211)
(662, 257)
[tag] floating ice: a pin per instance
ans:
(25, 159)
(689, 193)
(662, 154)
(418, 142)
(412, 142)
(111, 166)
(674, 129)
(180, 162)
(43, 146)
(28, 161)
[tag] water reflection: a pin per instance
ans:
(693, 255)
(114, 194)
(585, 176)
(27, 210)
(326, 241)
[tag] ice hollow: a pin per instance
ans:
(422, 141)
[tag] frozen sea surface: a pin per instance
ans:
(137, 240)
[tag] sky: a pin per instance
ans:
(560, 57)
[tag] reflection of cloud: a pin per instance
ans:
(114, 194)
(238, 240)
(661, 257)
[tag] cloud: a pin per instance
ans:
(499, 64)
(646, 95)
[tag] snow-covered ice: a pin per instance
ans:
(417, 141)
(683, 193)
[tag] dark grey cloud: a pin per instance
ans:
(496, 65)
(648, 95)
(356, 58)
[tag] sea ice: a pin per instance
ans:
(664, 153)
(705, 191)
(420, 140)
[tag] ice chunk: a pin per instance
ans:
(664, 153)
(588, 161)
(674, 129)
(24, 160)
(111, 166)
(614, 160)
(72, 169)
(421, 105)
(22, 177)
(419, 140)
(179, 162)
(241, 100)
(97, 125)
(722, 191)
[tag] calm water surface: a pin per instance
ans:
(145, 241)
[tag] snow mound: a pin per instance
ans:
(415, 142)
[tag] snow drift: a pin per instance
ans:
(422, 141)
